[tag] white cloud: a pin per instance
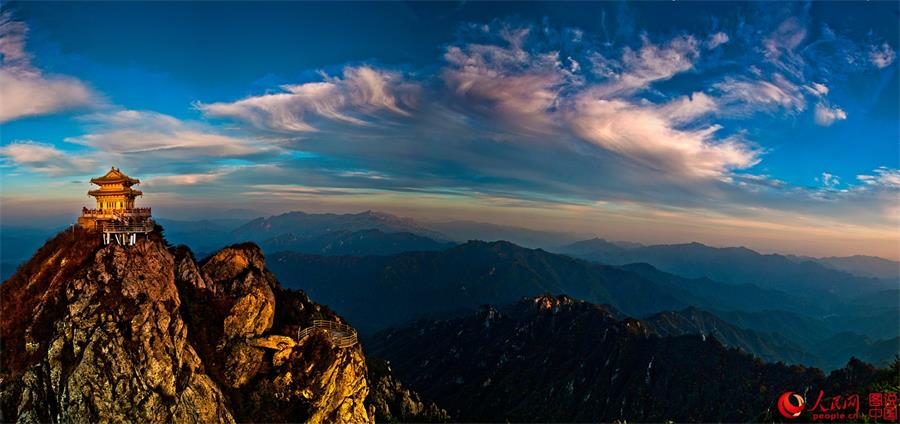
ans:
(882, 56)
(830, 180)
(716, 40)
(752, 95)
(646, 136)
(46, 159)
(531, 88)
(143, 141)
(651, 63)
(686, 109)
(826, 115)
(819, 89)
(507, 81)
(146, 134)
(24, 89)
(884, 177)
(359, 97)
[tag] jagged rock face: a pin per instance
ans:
(144, 334)
(269, 376)
(119, 342)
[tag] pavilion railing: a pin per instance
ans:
(134, 212)
(141, 227)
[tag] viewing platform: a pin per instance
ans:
(342, 335)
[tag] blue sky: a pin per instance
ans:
(773, 125)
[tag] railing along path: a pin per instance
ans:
(342, 335)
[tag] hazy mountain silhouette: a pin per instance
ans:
(302, 224)
(736, 265)
(357, 243)
(379, 292)
(862, 265)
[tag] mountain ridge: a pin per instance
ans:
(582, 364)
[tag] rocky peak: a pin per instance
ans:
(145, 334)
(233, 260)
(548, 302)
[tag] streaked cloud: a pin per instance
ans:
(25, 89)
(362, 96)
(45, 159)
(652, 62)
(506, 81)
(746, 95)
(648, 137)
(688, 108)
(152, 134)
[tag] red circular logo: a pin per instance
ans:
(791, 405)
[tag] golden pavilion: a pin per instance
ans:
(115, 215)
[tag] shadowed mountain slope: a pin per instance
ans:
(579, 363)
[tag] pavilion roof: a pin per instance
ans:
(127, 192)
(115, 176)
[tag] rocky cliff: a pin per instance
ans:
(144, 333)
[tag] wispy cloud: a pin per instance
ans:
(646, 136)
(744, 95)
(716, 40)
(504, 80)
(362, 96)
(827, 115)
(25, 89)
(882, 56)
(46, 159)
(152, 141)
(652, 62)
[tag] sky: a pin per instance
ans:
(769, 125)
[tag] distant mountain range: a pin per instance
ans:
(379, 292)
(358, 243)
(306, 224)
(867, 266)
(320, 233)
(581, 363)
(462, 231)
(736, 265)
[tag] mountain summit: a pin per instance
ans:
(144, 333)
